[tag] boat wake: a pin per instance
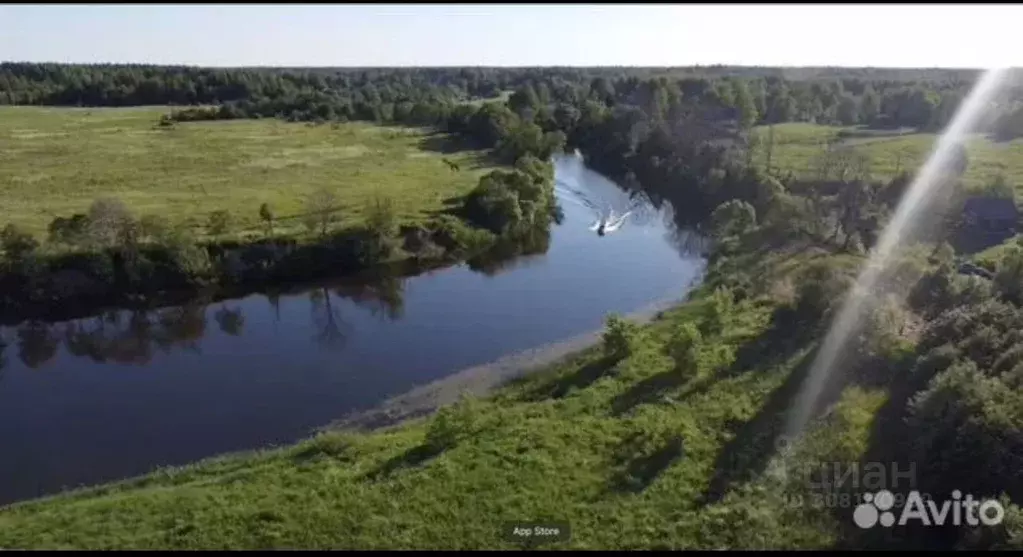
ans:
(610, 223)
(611, 205)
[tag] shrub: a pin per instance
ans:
(966, 429)
(17, 244)
(453, 234)
(219, 222)
(154, 227)
(719, 311)
(1009, 278)
(321, 211)
(107, 219)
(70, 231)
(822, 288)
(684, 349)
(503, 200)
(266, 215)
(453, 423)
(732, 218)
(619, 337)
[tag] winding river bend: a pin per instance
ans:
(119, 394)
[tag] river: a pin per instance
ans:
(118, 394)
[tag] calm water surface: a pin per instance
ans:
(118, 394)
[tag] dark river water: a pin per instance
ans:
(118, 394)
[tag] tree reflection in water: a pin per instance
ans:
(3, 358)
(326, 320)
(108, 338)
(274, 298)
(37, 344)
(230, 320)
(383, 296)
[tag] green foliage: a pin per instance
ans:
(743, 100)
(719, 311)
(503, 200)
(620, 336)
(821, 290)
(1009, 277)
(684, 349)
(69, 231)
(381, 218)
(267, 216)
(884, 331)
(219, 222)
(453, 423)
(733, 218)
(16, 243)
(155, 227)
(935, 291)
(187, 256)
(999, 187)
(382, 225)
(321, 208)
(968, 421)
(109, 220)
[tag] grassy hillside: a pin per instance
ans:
(797, 144)
(56, 161)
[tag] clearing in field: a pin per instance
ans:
(56, 161)
(889, 151)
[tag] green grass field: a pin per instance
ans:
(797, 144)
(56, 161)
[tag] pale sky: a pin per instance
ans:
(966, 35)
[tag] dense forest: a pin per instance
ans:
(683, 136)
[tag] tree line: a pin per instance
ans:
(921, 99)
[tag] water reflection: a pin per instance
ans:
(3, 358)
(526, 249)
(36, 344)
(327, 320)
(230, 320)
(135, 337)
(382, 297)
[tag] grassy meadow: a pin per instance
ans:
(56, 161)
(796, 145)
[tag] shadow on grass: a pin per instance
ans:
(439, 142)
(648, 390)
(411, 458)
(783, 338)
(754, 443)
(561, 386)
(888, 443)
(641, 471)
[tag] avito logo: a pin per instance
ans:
(876, 509)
